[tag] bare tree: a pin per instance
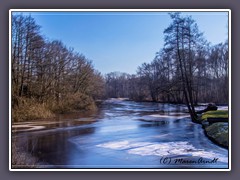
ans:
(182, 37)
(48, 71)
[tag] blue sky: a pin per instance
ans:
(121, 41)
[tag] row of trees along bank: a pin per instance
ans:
(188, 69)
(47, 75)
(50, 77)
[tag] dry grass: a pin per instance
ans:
(29, 109)
(73, 102)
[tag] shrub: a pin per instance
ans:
(73, 102)
(30, 109)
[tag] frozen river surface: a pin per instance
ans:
(122, 134)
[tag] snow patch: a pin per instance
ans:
(120, 145)
(222, 107)
(28, 127)
(117, 128)
(159, 117)
(162, 149)
(169, 116)
(116, 99)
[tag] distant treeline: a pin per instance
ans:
(49, 77)
(47, 74)
(187, 69)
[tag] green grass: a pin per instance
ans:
(215, 114)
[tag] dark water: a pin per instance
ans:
(123, 134)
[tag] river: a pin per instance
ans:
(121, 134)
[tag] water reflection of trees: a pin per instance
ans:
(53, 146)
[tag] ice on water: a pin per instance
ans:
(162, 149)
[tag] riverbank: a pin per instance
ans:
(22, 159)
(28, 109)
(121, 133)
(218, 132)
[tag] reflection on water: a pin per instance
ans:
(120, 134)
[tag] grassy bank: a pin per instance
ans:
(31, 109)
(217, 132)
(215, 114)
